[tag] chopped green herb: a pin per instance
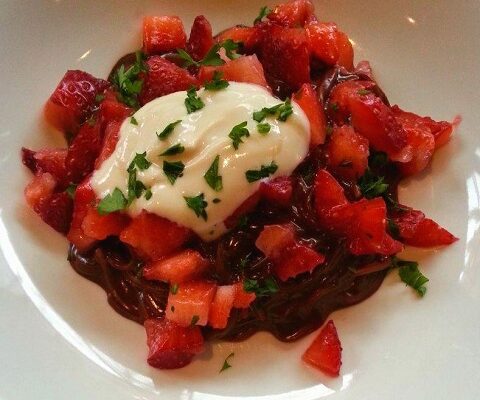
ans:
(211, 176)
(198, 205)
(226, 364)
(175, 149)
(115, 201)
(263, 128)
(140, 162)
(148, 194)
(195, 319)
(265, 171)
(193, 102)
(268, 286)
(128, 83)
(71, 190)
(168, 130)
(216, 200)
(212, 58)
(264, 11)
(411, 275)
(99, 98)
(217, 83)
(285, 110)
(230, 46)
(133, 121)
(173, 170)
(174, 288)
(364, 92)
(237, 132)
(135, 187)
(371, 185)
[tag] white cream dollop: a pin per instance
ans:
(204, 134)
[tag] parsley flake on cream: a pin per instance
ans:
(237, 132)
(211, 176)
(168, 130)
(173, 170)
(198, 205)
(115, 201)
(193, 102)
(265, 171)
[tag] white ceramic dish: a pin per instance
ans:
(59, 339)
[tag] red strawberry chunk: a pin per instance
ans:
(296, 260)
(244, 208)
(285, 56)
(39, 189)
(292, 14)
(179, 268)
(201, 39)
(112, 134)
(191, 303)
(164, 77)
(47, 160)
(221, 306)
(111, 109)
(242, 298)
(82, 202)
(247, 35)
(83, 151)
(163, 34)
(100, 227)
(73, 100)
(322, 41)
(370, 117)
(325, 353)
(273, 240)
(277, 191)
(345, 51)
(347, 153)
(56, 211)
(328, 193)
(171, 346)
(154, 237)
(307, 99)
(417, 230)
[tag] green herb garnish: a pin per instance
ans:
(168, 130)
(217, 83)
(70, 190)
(148, 194)
(264, 11)
(211, 176)
(226, 364)
(174, 288)
(212, 58)
(371, 185)
(268, 286)
(133, 121)
(135, 187)
(237, 132)
(265, 171)
(411, 275)
(140, 162)
(263, 128)
(173, 170)
(198, 205)
(230, 46)
(285, 110)
(128, 82)
(175, 149)
(193, 102)
(282, 111)
(115, 201)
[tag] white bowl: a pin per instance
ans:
(59, 339)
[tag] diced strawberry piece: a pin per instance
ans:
(328, 193)
(274, 239)
(347, 153)
(277, 191)
(73, 100)
(292, 14)
(82, 202)
(296, 260)
(154, 237)
(191, 303)
(442, 130)
(83, 151)
(244, 208)
(164, 77)
(101, 226)
(364, 68)
(47, 160)
(367, 230)
(322, 41)
(419, 137)
(56, 211)
(242, 298)
(39, 189)
(416, 230)
(112, 134)
(178, 268)
(307, 99)
(247, 35)
(284, 55)
(325, 353)
(171, 346)
(221, 306)
(370, 117)
(345, 51)
(201, 39)
(163, 34)
(111, 110)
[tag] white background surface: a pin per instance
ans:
(59, 339)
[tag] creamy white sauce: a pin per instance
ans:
(204, 134)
